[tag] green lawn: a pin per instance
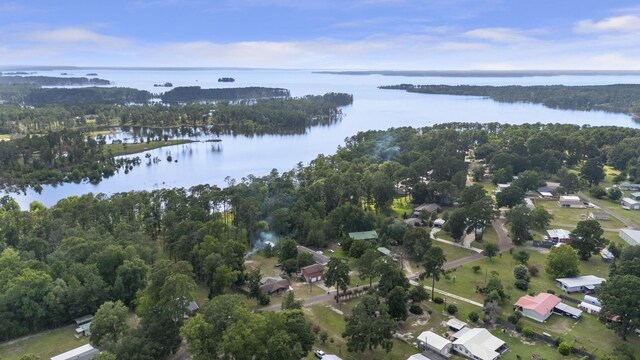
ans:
(5, 137)
(453, 252)
(631, 215)
(333, 323)
(401, 206)
(526, 348)
(45, 344)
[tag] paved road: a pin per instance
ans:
(626, 222)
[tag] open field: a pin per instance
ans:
(5, 137)
(45, 344)
(565, 216)
(401, 207)
(631, 215)
(128, 149)
(454, 252)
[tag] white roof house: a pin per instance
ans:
(630, 204)
(412, 357)
(438, 222)
(570, 201)
(435, 342)
(560, 235)
(84, 352)
(580, 283)
(479, 344)
(632, 237)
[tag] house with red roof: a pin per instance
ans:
(538, 307)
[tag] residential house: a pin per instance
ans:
(312, 273)
(429, 208)
(413, 357)
(318, 257)
(632, 237)
(571, 201)
(501, 187)
(434, 342)
(559, 236)
(627, 186)
(584, 284)
(601, 216)
(538, 307)
(83, 326)
(479, 344)
(364, 235)
(273, 285)
(84, 352)
(630, 204)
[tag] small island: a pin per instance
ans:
(92, 74)
(167, 84)
(226, 79)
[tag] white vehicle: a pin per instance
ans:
(319, 353)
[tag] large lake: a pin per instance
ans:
(239, 156)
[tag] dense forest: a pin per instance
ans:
(188, 94)
(621, 98)
(51, 81)
(148, 250)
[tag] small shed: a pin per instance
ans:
(606, 255)
(600, 216)
(83, 326)
(438, 223)
(384, 251)
(635, 196)
(566, 310)
(456, 325)
(590, 308)
(592, 300)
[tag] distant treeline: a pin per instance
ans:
(186, 94)
(51, 81)
(620, 98)
(35, 96)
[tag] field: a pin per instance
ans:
(45, 344)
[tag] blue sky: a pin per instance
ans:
(329, 34)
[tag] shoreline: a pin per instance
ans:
(130, 149)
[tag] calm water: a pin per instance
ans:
(239, 156)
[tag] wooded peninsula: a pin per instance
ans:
(620, 98)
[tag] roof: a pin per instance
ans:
(271, 285)
(633, 234)
(606, 254)
(559, 233)
(456, 324)
(427, 207)
(458, 334)
(433, 340)
(570, 198)
(439, 222)
(592, 300)
(77, 353)
(569, 309)
(312, 270)
(629, 201)
(331, 357)
(192, 306)
(587, 280)
(586, 305)
(84, 327)
(317, 257)
(384, 251)
(635, 194)
(598, 214)
(481, 343)
(546, 193)
(542, 303)
(412, 357)
(84, 319)
(528, 202)
(363, 235)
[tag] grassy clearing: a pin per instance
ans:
(453, 252)
(266, 265)
(401, 206)
(526, 348)
(565, 216)
(128, 149)
(631, 215)
(333, 323)
(5, 137)
(45, 344)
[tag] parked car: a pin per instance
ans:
(319, 353)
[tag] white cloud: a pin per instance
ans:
(501, 35)
(625, 23)
(75, 36)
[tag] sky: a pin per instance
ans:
(328, 34)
